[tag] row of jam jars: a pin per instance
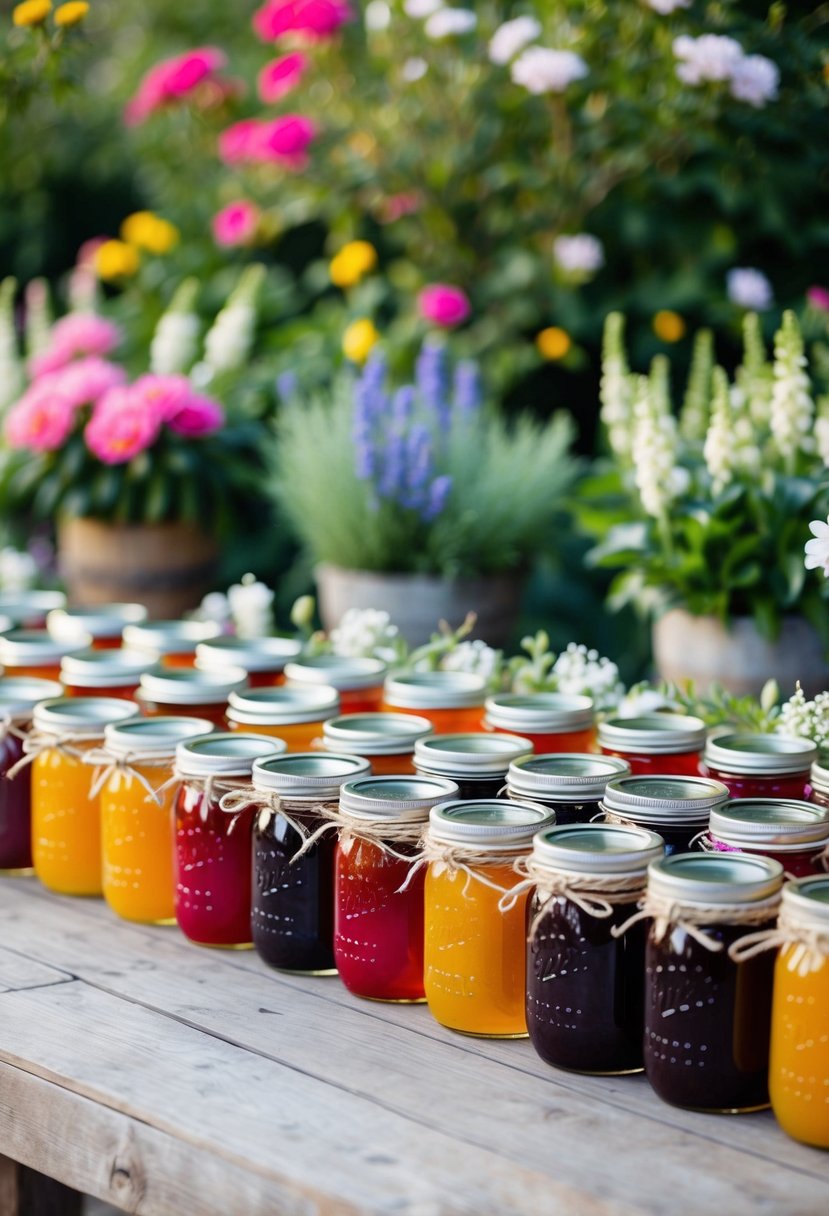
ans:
(585, 980)
(677, 808)
(570, 783)
(29, 609)
(293, 881)
(66, 819)
(34, 652)
(104, 623)
(212, 855)
(656, 743)
(552, 721)
(477, 764)
(18, 698)
(186, 690)
(760, 766)
(794, 833)
(453, 701)
(359, 681)
(295, 715)
(263, 659)
(104, 673)
(378, 894)
(170, 643)
(386, 740)
(474, 956)
(136, 802)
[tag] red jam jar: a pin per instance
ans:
(794, 833)
(170, 643)
(453, 701)
(571, 784)
(263, 659)
(293, 714)
(105, 673)
(387, 740)
(18, 697)
(552, 721)
(476, 763)
(34, 652)
(104, 623)
(656, 743)
(359, 681)
(760, 766)
(678, 808)
(201, 694)
(378, 928)
(29, 609)
(212, 868)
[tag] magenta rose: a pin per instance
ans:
(198, 416)
(236, 223)
(41, 420)
(310, 20)
(285, 140)
(443, 305)
(123, 424)
(238, 143)
(818, 297)
(279, 77)
(73, 336)
(173, 79)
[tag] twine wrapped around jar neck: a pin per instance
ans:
(692, 918)
(382, 833)
(36, 742)
(107, 763)
(451, 857)
(790, 930)
(596, 894)
(238, 800)
(8, 727)
(212, 789)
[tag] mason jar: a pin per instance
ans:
(476, 763)
(453, 701)
(293, 714)
(552, 721)
(387, 740)
(170, 643)
(655, 744)
(202, 694)
(794, 833)
(760, 766)
(18, 698)
(104, 623)
(34, 652)
(359, 681)
(104, 673)
(570, 783)
(678, 808)
(263, 659)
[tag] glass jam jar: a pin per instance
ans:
(203, 694)
(678, 808)
(799, 1064)
(570, 783)
(104, 673)
(18, 697)
(104, 623)
(760, 766)
(137, 837)
(474, 970)
(819, 781)
(585, 986)
(170, 643)
(66, 820)
(212, 859)
(293, 897)
(476, 763)
(293, 714)
(453, 701)
(794, 833)
(29, 609)
(378, 924)
(552, 721)
(387, 740)
(654, 744)
(707, 1018)
(263, 659)
(359, 681)
(34, 652)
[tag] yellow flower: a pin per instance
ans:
(668, 326)
(353, 261)
(31, 12)
(148, 231)
(116, 260)
(71, 13)
(553, 343)
(359, 339)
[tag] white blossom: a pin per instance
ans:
(664, 7)
(377, 16)
(805, 719)
(540, 69)
(817, 549)
(414, 69)
(641, 700)
(581, 253)
(719, 448)
(653, 451)
(214, 607)
(251, 606)
(512, 37)
(174, 343)
(419, 9)
(475, 657)
(229, 341)
(755, 79)
(365, 633)
(18, 570)
(615, 387)
(749, 288)
(709, 57)
(448, 21)
(582, 672)
(792, 408)
(822, 438)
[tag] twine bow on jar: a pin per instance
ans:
(383, 833)
(212, 789)
(7, 727)
(694, 918)
(36, 742)
(270, 804)
(107, 763)
(453, 857)
(596, 894)
(790, 930)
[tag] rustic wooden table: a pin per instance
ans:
(175, 1081)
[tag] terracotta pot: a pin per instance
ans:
(166, 567)
(417, 603)
(703, 650)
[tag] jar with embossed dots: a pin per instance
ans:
(263, 659)
(656, 743)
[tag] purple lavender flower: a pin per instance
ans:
(403, 403)
(439, 492)
(392, 478)
(468, 393)
(287, 384)
(432, 381)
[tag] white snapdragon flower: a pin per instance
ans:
(581, 672)
(420, 9)
(579, 254)
(365, 633)
(749, 288)
(475, 657)
(540, 69)
(18, 570)
(805, 719)
(229, 341)
(251, 606)
(817, 549)
(709, 57)
(665, 7)
(719, 449)
(214, 607)
(414, 69)
(615, 387)
(654, 452)
(174, 343)
(792, 407)
(512, 37)
(755, 79)
(449, 21)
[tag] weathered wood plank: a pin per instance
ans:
(19, 971)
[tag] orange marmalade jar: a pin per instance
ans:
(293, 714)
(387, 740)
(29, 609)
(33, 652)
(185, 690)
(104, 623)
(104, 673)
(263, 659)
(359, 681)
(172, 643)
(453, 701)
(552, 721)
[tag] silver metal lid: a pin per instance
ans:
(224, 754)
(806, 900)
(186, 686)
(81, 715)
(283, 706)
(760, 754)
(308, 776)
(375, 734)
(539, 712)
(489, 823)
(254, 654)
(665, 800)
(784, 823)
(469, 755)
(101, 621)
(715, 878)
(395, 797)
(170, 637)
(20, 694)
(21, 606)
(435, 690)
(105, 668)
(337, 671)
(153, 736)
(37, 648)
(597, 848)
(653, 734)
(564, 776)
(819, 777)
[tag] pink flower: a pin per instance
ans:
(75, 335)
(285, 140)
(41, 420)
(818, 297)
(236, 143)
(86, 253)
(310, 20)
(163, 395)
(171, 80)
(85, 380)
(198, 416)
(281, 76)
(398, 205)
(236, 223)
(443, 304)
(122, 425)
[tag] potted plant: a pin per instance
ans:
(419, 500)
(704, 513)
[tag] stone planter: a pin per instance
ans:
(703, 650)
(417, 603)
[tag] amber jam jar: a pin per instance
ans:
(387, 740)
(34, 652)
(171, 643)
(18, 697)
(656, 743)
(293, 714)
(359, 681)
(571, 784)
(476, 763)
(263, 659)
(29, 609)
(104, 623)
(760, 766)
(794, 833)
(552, 721)
(586, 987)
(453, 701)
(293, 897)
(106, 673)
(678, 808)
(202, 694)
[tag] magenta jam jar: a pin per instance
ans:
(18, 697)
(794, 833)
(656, 744)
(760, 766)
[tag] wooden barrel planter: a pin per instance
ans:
(167, 567)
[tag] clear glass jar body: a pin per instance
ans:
(138, 841)
(651, 764)
(551, 741)
(66, 823)
(299, 736)
(460, 721)
(213, 711)
(15, 810)
(799, 1064)
(124, 692)
(212, 870)
(760, 785)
